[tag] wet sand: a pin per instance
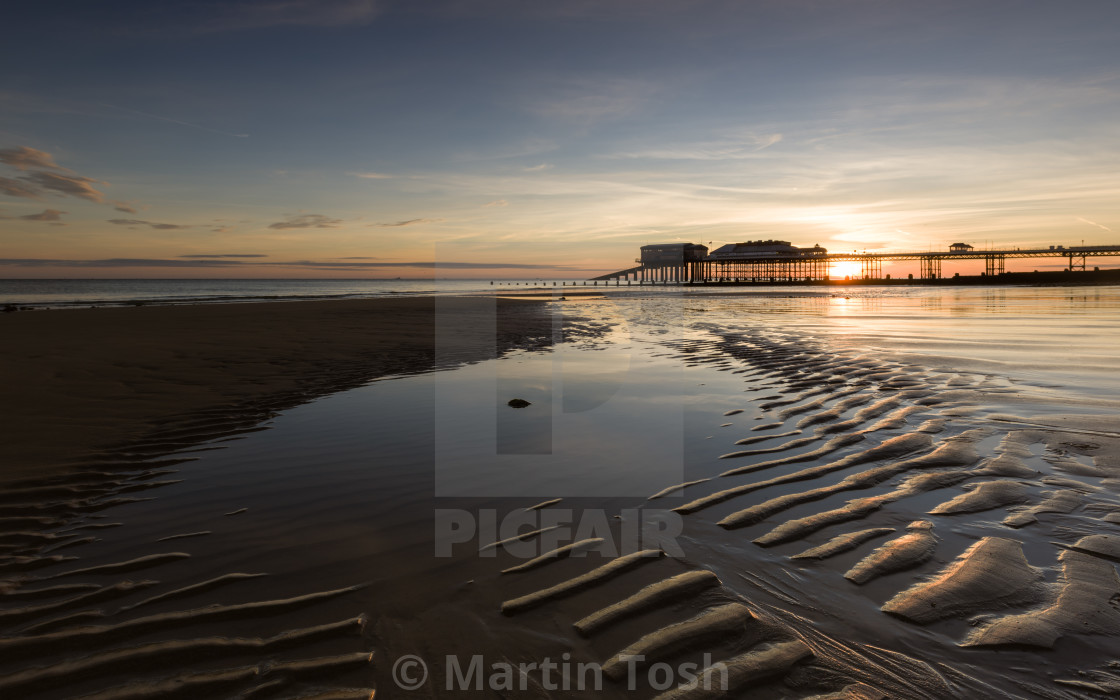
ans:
(902, 525)
(80, 381)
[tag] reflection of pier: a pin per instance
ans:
(778, 261)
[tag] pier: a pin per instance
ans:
(779, 261)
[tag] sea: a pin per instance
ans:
(78, 293)
(64, 293)
(59, 293)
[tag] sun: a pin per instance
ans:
(849, 268)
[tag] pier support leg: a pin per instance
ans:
(931, 268)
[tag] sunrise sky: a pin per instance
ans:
(513, 138)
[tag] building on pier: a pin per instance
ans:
(666, 262)
(672, 254)
(765, 261)
(764, 249)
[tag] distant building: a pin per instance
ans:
(960, 248)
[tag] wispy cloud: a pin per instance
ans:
(67, 185)
(124, 207)
(738, 148)
(767, 141)
(409, 222)
(306, 221)
(1094, 223)
(15, 188)
(497, 203)
(24, 157)
(39, 181)
(372, 176)
(45, 215)
(219, 256)
(589, 100)
(149, 224)
(537, 168)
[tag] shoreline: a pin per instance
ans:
(84, 382)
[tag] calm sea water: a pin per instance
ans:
(55, 293)
(61, 293)
(107, 292)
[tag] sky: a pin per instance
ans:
(524, 139)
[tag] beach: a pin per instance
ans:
(369, 350)
(80, 381)
(888, 493)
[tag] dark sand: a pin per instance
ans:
(78, 381)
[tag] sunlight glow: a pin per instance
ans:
(845, 269)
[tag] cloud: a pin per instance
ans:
(767, 140)
(738, 148)
(262, 14)
(15, 188)
(497, 203)
(37, 182)
(208, 256)
(588, 100)
(24, 157)
(151, 224)
(68, 185)
(45, 215)
(409, 222)
(372, 176)
(306, 221)
(537, 168)
(1094, 223)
